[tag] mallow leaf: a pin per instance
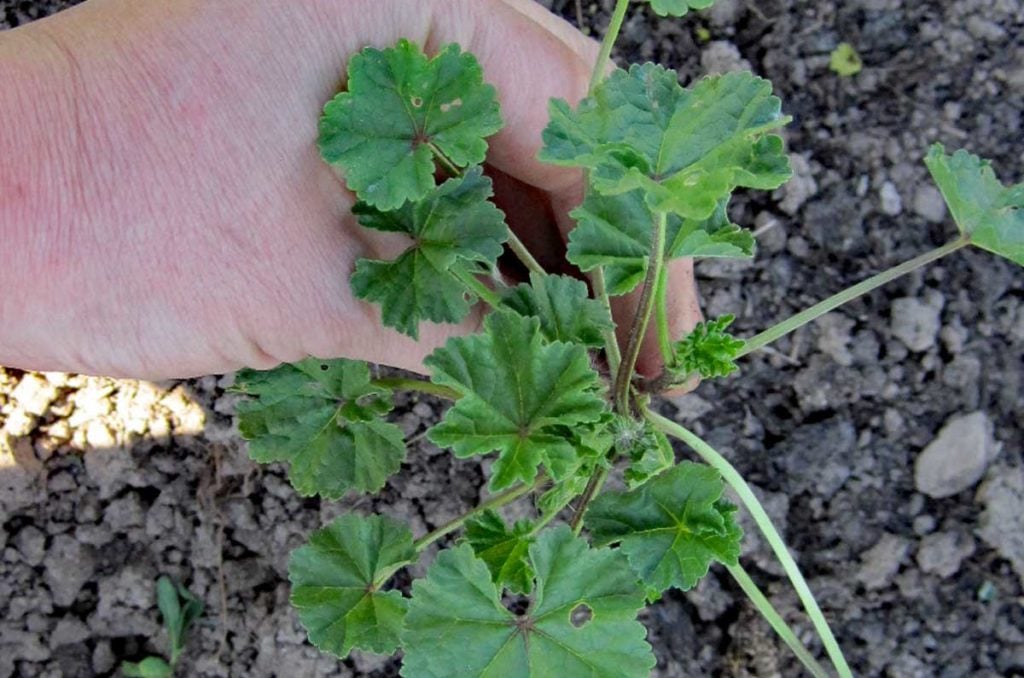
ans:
(324, 417)
(452, 230)
(988, 213)
(564, 308)
(686, 149)
(336, 580)
(614, 231)
(503, 548)
(581, 620)
(647, 449)
(678, 7)
(516, 392)
(671, 528)
(402, 108)
(708, 350)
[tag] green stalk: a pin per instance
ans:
(849, 294)
(611, 342)
(486, 294)
(497, 501)
(764, 524)
(610, 36)
(773, 617)
(519, 249)
(661, 316)
(593, 487)
(419, 385)
(644, 311)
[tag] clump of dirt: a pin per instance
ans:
(909, 535)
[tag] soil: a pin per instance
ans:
(886, 439)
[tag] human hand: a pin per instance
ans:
(201, 232)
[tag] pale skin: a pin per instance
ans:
(164, 211)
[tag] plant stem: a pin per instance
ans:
(611, 342)
(837, 300)
(610, 36)
(764, 524)
(593, 487)
(447, 165)
(481, 290)
(497, 501)
(419, 385)
(661, 316)
(643, 315)
(773, 617)
(519, 249)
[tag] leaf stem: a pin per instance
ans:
(764, 524)
(593, 487)
(645, 307)
(611, 342)
(773, 617)
(497, 501)
(835, 301)
(486, 294)
(419, 385)
(446, 163)
(661, 316)
(519, 249)
(610, 36)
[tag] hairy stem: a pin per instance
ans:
(849, 294)
(773, 617)
(418, 385)
(593, 487)
(610, 36)
(643, 315)
(661, 316)
(611, 342)
(497, 501)
(450, 168)
(519, 249)
(486, 294)
(764, 524)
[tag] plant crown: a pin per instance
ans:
(543, 388)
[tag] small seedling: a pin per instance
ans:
(845, 61)
(179, 609)
(545, 387)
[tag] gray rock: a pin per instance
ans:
(31, 543)
(915, 323)
(103, 658)
(109, 469)
(942, 552)
(69, 565)
(21, 645)
(125, 513)
(881, 562)
(929, 204)
(721, 56)
(70, 630)
(34, 394)
(1001, 525)
(800, 188)
(889, 197)
(957, 458)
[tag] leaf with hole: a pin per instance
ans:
(990, 214)
(687, 149)
(336, 580)
(671, 528)
(401, 109)
(614, 231)
(516, 391)
(581, 620)
(453, 230)
(323, 417)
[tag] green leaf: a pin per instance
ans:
(324, 418)
(454, 228)
(592, 442)
(150, 667)
(457, 625)
(844, 60)
(504, 549)
(336, 580)
(708, 350)
(670, 528)
(564, 308)
(647, 449)
(686, 149)
(400, 109)
(516, 391)
(678, 7)
(178, 618)
(614, 231)
(990, 214)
